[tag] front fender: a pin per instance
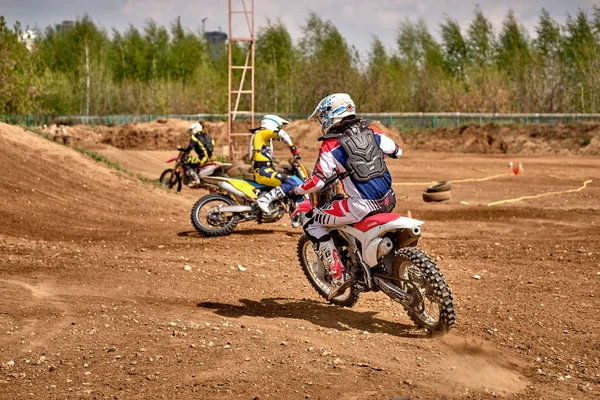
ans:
(303, 207)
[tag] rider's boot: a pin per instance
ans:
(194, 179)
(340, 277)
(264, 200)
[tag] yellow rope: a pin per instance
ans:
(482, 179)
(454, 181)
(495, 203)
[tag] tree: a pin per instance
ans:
(17, 94)
(275, 63)
(513, 56)
(548, 69)
(80, 55)
(456, 51)
(186, 52)
(513, 46)
(327, 63)
(481, 40)
(581, 52)
(422, 61)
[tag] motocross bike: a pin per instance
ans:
(174, 178)
(232, 200)
(380, 252)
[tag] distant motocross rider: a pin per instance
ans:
(261, 155)
(354, 151)
(203, 145)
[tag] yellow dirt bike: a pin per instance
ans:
(232, 200)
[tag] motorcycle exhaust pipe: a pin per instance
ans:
(409, 237)
(385, 246)
(235, 209)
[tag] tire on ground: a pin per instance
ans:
(441, 186)
(437, 196)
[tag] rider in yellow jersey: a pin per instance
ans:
(261, 155)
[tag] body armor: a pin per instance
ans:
(365, 157)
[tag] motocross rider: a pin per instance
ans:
(354, 151)
(203, 144)
(261, 155)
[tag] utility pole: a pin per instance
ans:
(203, 20)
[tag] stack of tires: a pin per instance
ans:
(438, 192)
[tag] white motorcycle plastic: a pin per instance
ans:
(381, 255)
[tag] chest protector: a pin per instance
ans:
(365, 157)
(207, 141)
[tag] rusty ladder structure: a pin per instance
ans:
(239, 89)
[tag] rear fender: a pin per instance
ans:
(207, 170)
(239, 187)
(407, 229)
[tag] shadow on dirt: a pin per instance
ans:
(244, 232)
(190, 234)
(324, 315)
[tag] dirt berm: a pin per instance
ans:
(167, 134)
(54, 192)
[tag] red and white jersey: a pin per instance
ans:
(332, 161)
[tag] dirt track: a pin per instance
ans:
(97, 304)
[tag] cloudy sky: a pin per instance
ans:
(357, 20)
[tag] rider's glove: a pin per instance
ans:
(294, 196)
(180, 148)
(295, 152)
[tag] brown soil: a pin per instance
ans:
(96, 302)
(162, 134)
(579, 138)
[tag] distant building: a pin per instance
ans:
(28, 37)
(65, 26)
(216, 42)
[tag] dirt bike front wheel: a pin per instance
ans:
(170, 180)
(208, 220)
(417, 274)
(316, 274)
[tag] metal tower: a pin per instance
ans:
(237, 86)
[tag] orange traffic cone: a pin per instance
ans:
(515, 169)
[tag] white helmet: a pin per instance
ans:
(332, 109)
(195, 128)
(273, 122)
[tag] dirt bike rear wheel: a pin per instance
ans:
(413, 271)
(314, 270)
(213, 224)
(170, 180)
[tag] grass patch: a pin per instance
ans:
(220, 158)
(100, 158)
